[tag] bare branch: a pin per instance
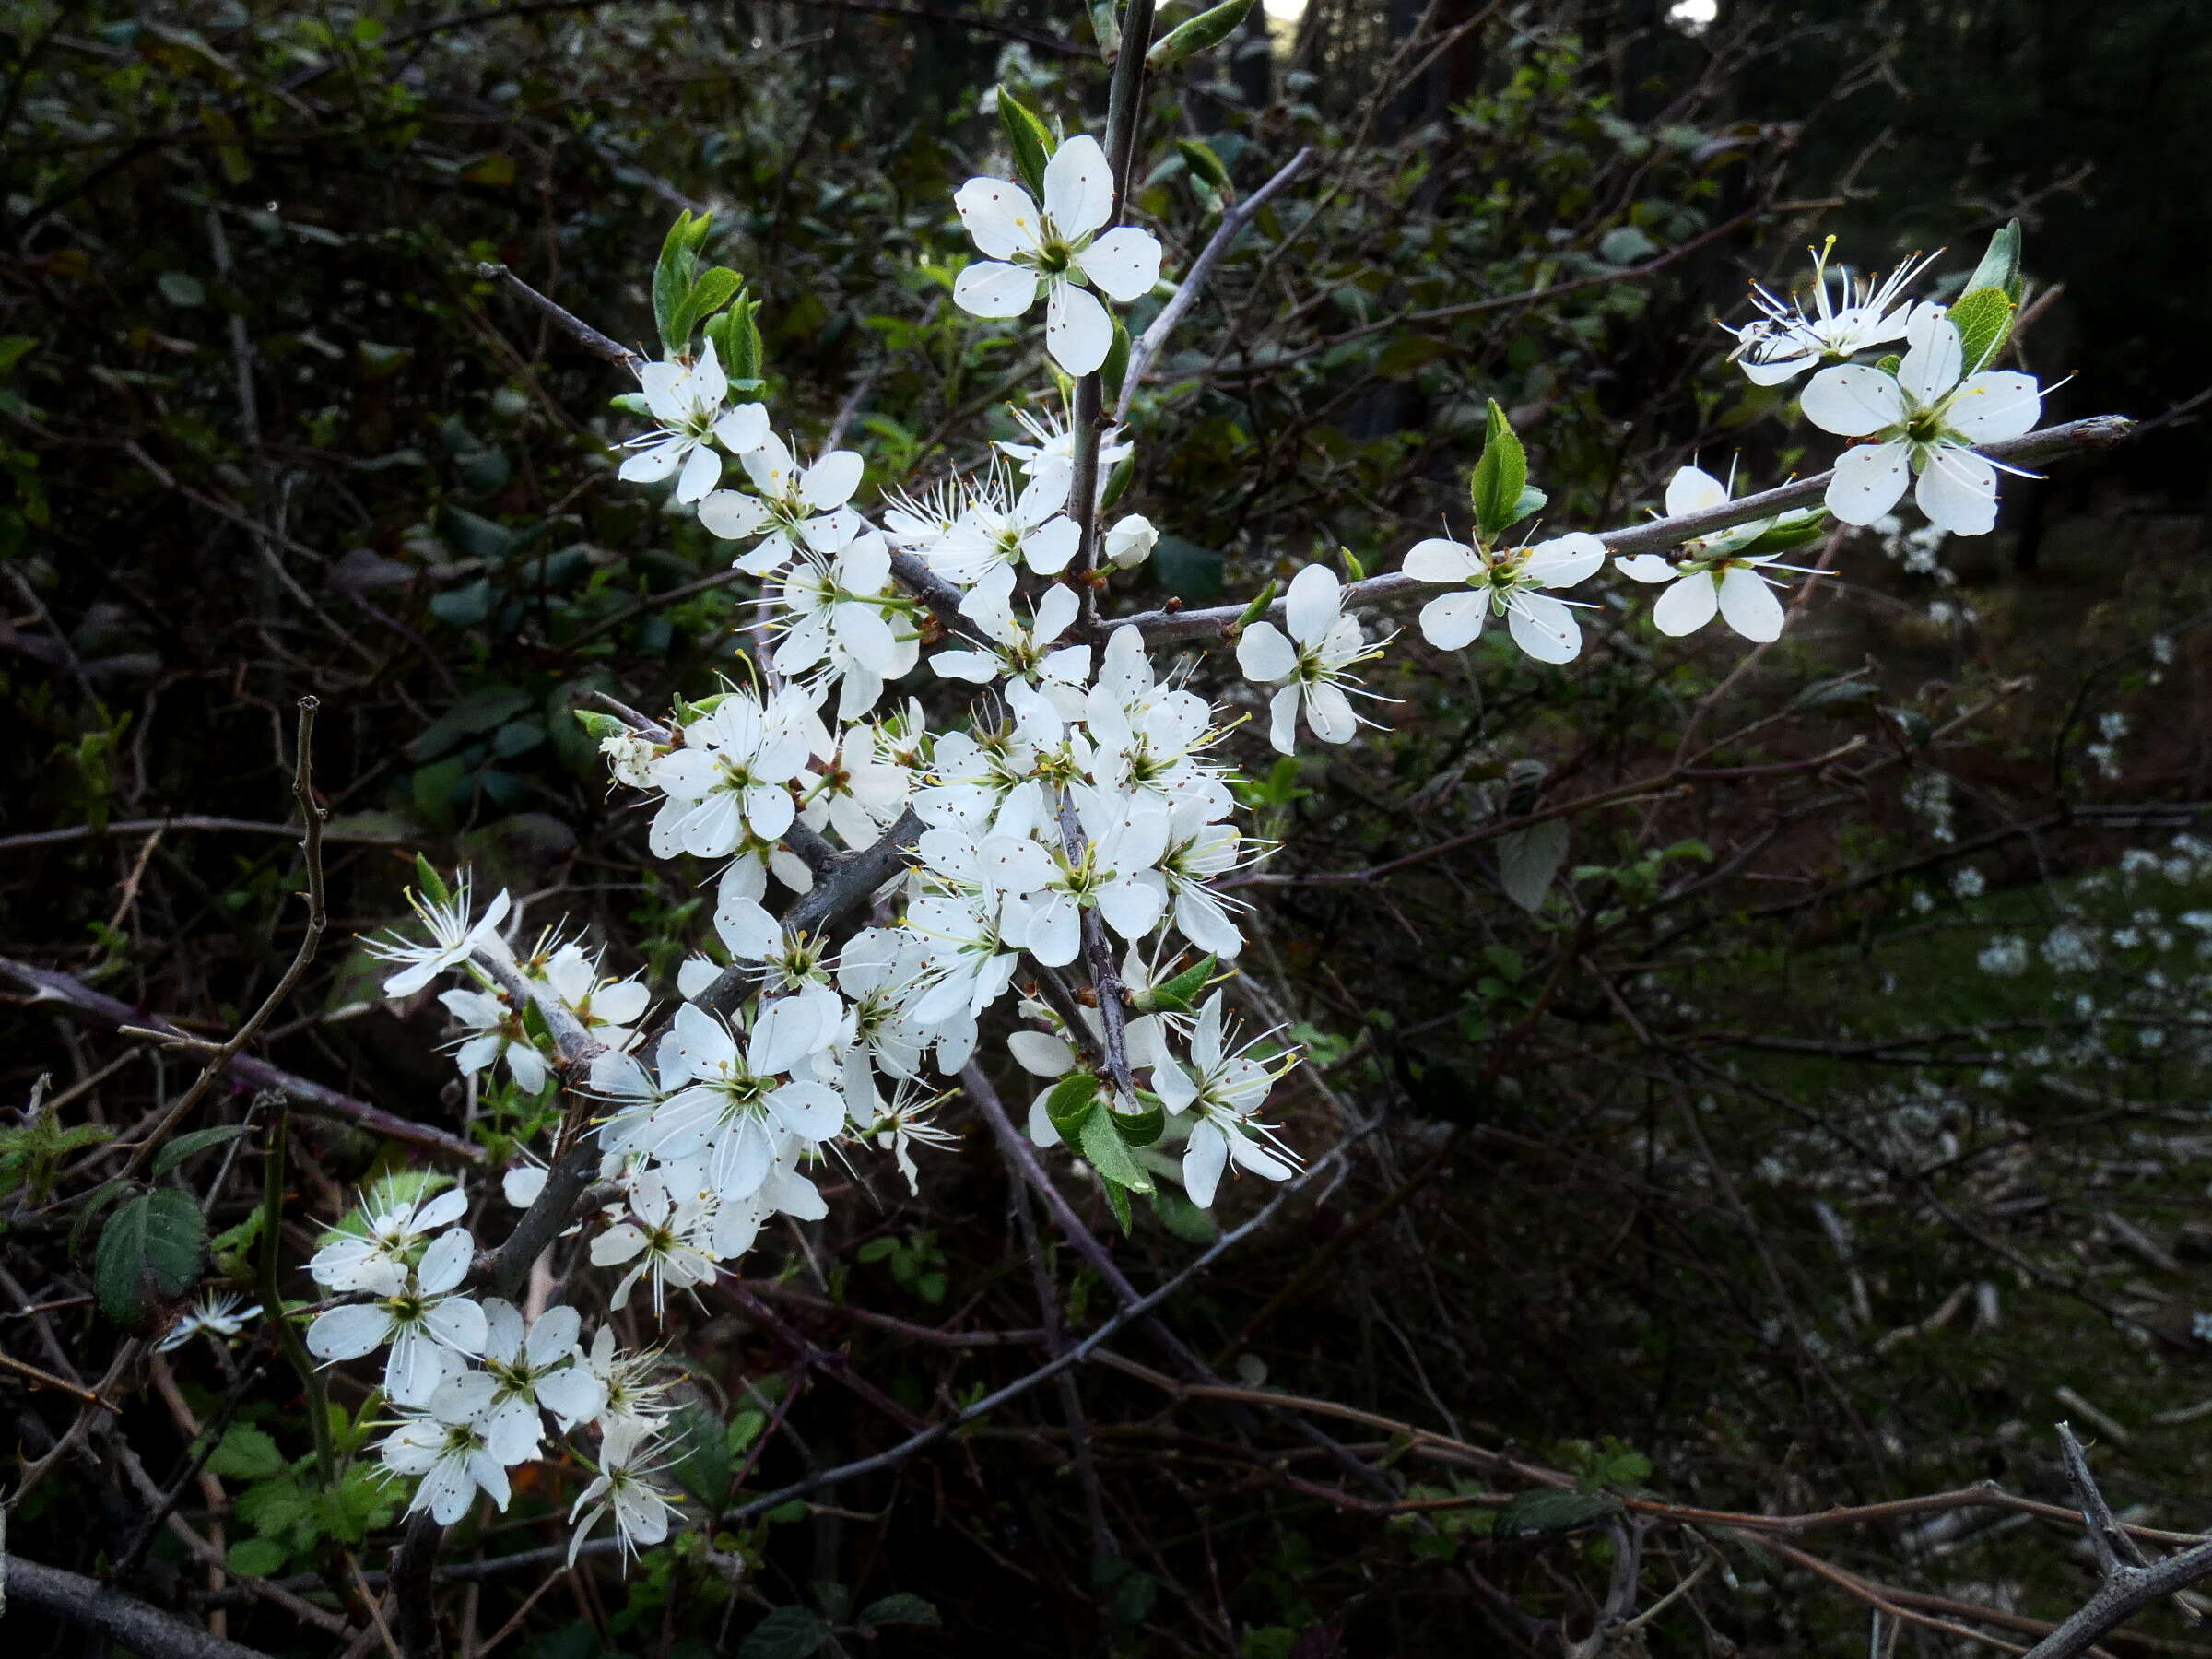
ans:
(575, 327)
(119, 1617)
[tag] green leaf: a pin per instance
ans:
(1180, 995)
(1500, 475)
(1549, 1512)
(182, 289)
(2000, 266)
(785, 1634)
(1790, 529)
(478, 711)
(1207, 30)
(1071, 1104)
(1984, 318)
(700, 1449)
(89, 1207)
(736, 337)
(1258, 608)
(673, 273)
(905, 1608)
(1031, 139)
(598, 726)
(1117, 1200)
(150, 1254)
(1183, 1218)
(1141, 1129)
(1528, 859)
(183, 1146)
(256, 1558)
(1198, 156)
(1124, 474)
(246, 1454)
(1109, 1153)
(714, 291)
(1533, 500)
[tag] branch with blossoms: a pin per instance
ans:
(954, 805)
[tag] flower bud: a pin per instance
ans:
(630, 757)
(1129, 543)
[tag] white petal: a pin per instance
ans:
(1868, 482)
(1694, 489)
(744, 428)
(702, 471)
(733, 515)
(1329, 712)
(651, 465)
(1545, 628)
(1853, 400)
(1264, 655)
(1454, 619)
(828, 484)
(1688, 605)
(1077, 331)
(1048, 548)
(991, 289)
(1644, 567)
(1202, 1163)
(1001, 217)
(348, 1332)
(1958, 491)
(1039, 1054)
(1565, 559)
(1312, 605)
(1996, 406)
(1750, 605)
(1282, 720)
(1437, 559)
(1933, 362)
(1124, 263)
(446, 1261)
(1078, 187)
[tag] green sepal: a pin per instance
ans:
(1118, 480)
(632, 403)
(1889, 364)
(1207, 29)
(2000, 266)
(1258, 608)
(1984, 318)
(1070, 1105)
(1031, 139)
(1198, 156)
(597, 726)
(1107, 1151)
(1115, 369)
(433, 884)
(1500, 477)
(1180, 995)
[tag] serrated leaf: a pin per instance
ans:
(1528, 859)
(150, 1253)
(785, 1634)
(708, 294)
(1071, 1104)
(256, 1558)
(1500, 475)
(1984, 318)
(92, 1203)
(182, 1147)
(246, 1454)
(904, 1607)
(1207, 30)
(2000, 266)
(1550, 1512)
(1030, 140)
(1109, 1153)
(673, 272)
(1141, 1129)
(1532, 501)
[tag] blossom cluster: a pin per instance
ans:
(1065, 817)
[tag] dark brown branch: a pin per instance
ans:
(119, 1617)
(568, 321)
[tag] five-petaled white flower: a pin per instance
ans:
(453, 938)
(496, 1032)
(1925, 419)
(422, 1315)
(1310, 661)
(687, 399)
(1507, 581)
(849, 625)
(640, 1509)
(454, 1461)
(796, 506)
(522, 1375)
(1715, 574)
(1057, 249)
(1783, 342)
(379, 1254)
(1228, 1088)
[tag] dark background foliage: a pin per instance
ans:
(1735, 1172)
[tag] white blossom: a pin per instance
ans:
(524, 1372)
(452, 1461)
(453, 938)
(428, 1324)
(1222, 1090)
(686, 399)
(1782, 342)
(1716, 574)
(624, 1491)
(1507, 581)
(1311, 663)
(791, 506)
(1058, 251)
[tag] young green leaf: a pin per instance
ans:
(714, 289)
(1109, 1153)
(1141, 1129)
(1258, 608)
(1115, 369)
(1031, 139)
(1498, 477)
(433, 884)
(183, 1146)
(1118, 481)
(1071, 1104)
(1198, 156)
(1983, 318)
(1208, 28)
(1180, 995)
(673, 274)
(2000, 266)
